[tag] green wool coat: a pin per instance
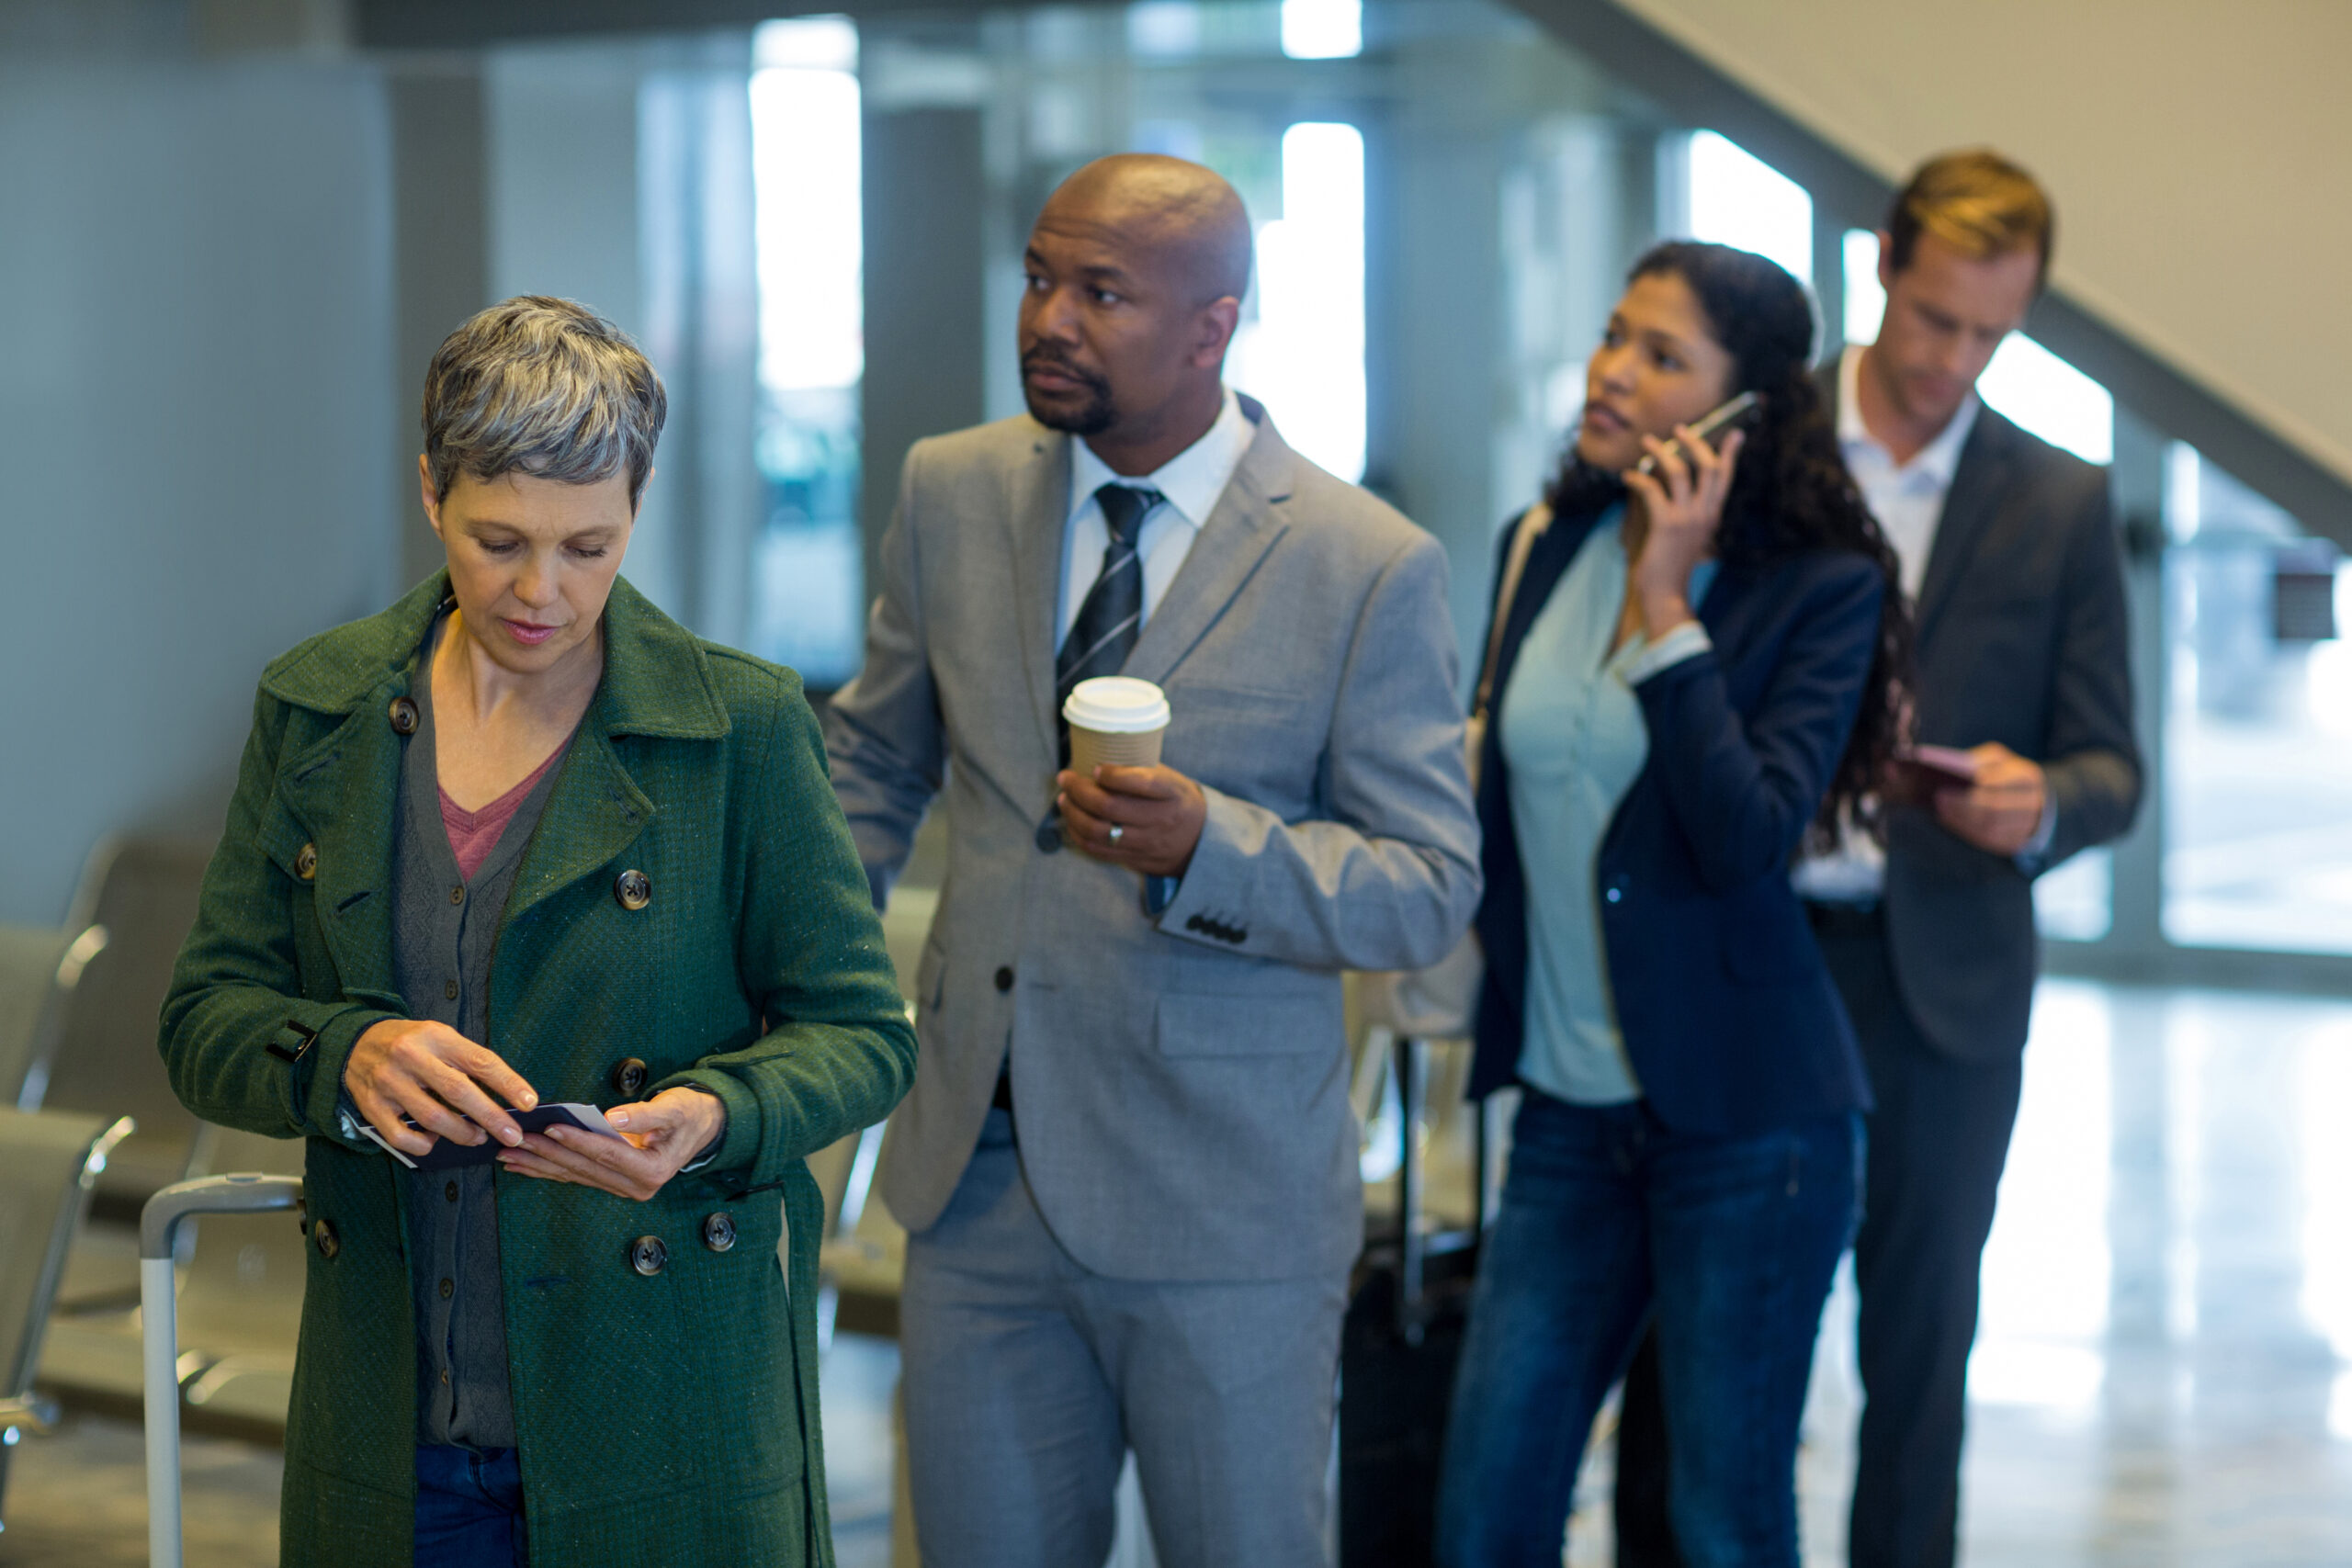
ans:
(668, 1418)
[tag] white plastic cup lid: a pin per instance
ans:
(1117, 704)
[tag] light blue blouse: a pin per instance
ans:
(1574, 740)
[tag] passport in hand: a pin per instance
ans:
(447, 1156)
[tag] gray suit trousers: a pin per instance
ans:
(1027, 1379)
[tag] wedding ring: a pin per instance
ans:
(1118, 832)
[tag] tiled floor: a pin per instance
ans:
(2163, 1379)
(2164, 1372)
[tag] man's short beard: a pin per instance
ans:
(1093, 417)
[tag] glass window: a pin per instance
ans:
(1322, 29)
(1738, 200)
(810, 236)
(1164, 29)
(2075, 902)
(2258, 726)
(2044, 394)
(1303, 355)
(1865, 300)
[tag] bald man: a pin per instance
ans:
(1128, 1165)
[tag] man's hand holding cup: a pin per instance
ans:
(1118, 803)
(1146, 818)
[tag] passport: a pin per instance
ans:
(447, 1156)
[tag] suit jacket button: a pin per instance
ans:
(1049, 835)
(647, 1256)
(629, 1076)
(403, 717)
(306, 861)
(1615, 894)
(718, 1232)
(329, 1244)
(1004, 979)
(634, 889)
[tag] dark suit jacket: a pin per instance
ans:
(2022, 640)
(1729, 1015)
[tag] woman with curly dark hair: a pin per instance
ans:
(1694, 662)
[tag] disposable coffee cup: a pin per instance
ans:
(1114, 721)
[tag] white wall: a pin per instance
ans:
(195, 351)
(2195, 150)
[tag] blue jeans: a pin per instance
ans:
(1608, 1218)
(469, 1507)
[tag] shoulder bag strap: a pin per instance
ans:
(1527, 530)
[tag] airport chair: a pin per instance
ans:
(39, 970)
(48, 1164)
(143, 889)
(239, 1308)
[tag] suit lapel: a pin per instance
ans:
(1248, 518)
(1970, 508)
(1037, 519)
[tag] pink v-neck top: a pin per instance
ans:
(473, 834)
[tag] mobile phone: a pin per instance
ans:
(1718, 420)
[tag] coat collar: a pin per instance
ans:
(657, 679)
(1248, 518)
(339, 789)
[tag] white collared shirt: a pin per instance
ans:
(1192, 480)
(1906, 499)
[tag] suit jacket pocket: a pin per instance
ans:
(1289, 1023)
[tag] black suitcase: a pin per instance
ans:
(1407, 1306)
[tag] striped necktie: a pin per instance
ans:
(1112, 617)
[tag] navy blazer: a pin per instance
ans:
(1727, 1010)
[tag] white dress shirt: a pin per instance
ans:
(1907, 499)
(1191, 481)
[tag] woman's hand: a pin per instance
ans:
(1683, 505)
(410, 1068)
(658, 1136)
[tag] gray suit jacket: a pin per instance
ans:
(2021, 639)
(1181, 1080)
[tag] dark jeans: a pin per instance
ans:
(1938, 1142)
(469, 1507)
(1609, 1220)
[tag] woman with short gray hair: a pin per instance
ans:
(536, 917)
